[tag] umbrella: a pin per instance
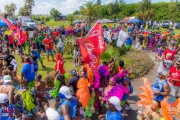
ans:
(2, 24)
(135, 21)
(106, 21)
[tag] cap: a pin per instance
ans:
(164, 73)
(3, 98)
(58, 56)
(7, 78)
(73, 72)
(116, 102)
(65, 91)
(52, 114)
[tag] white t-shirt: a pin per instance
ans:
(14, 63)
(105, 34)
(60, 43)
(164, 66)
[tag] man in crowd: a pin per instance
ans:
(8, 58)
(59, 67)
(49, 44)
(74, 80)
(174, 79)
(28, 72)
(140, 41)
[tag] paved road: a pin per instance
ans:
(134, 97)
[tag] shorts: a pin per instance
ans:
(21, 47)
(11, 45)
(174, 89)
(60, 49)
(109, 39)
(48, 52)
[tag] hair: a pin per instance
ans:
(6, 72)
(34, 58)
(24, 82)
(38, 76)
(61, 78)
(105, 63)
(10, 67)
(121, 63)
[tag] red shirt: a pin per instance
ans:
(60, 66)
(55, 34)
(173, 52)
(122, 69)
(11, 41)
(48, 43)
(174, 74)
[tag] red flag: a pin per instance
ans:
(90, 50)
(10, 25)
(97, 30)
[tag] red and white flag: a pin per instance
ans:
(9, 24)
(90, 50)
(97, 30)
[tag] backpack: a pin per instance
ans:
(28, 100)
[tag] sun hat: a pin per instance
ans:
(164, 73)
(7, 78)
(65, 91)
(3, 98)
(52, 114)
(116, 102)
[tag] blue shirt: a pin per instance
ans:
(129, 41)
(72, 105)
(28, 69)
(36, 53)
(159, 86)
(113, 115)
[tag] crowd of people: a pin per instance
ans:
(88, 92)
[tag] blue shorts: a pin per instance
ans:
(48, 52)
(60, 49)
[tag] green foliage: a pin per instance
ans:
(68, 47)
(71, 18)
(10, 9)
(54, 13)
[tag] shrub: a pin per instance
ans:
(49, 80)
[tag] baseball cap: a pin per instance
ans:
(116, 102)
(164, 73)
(7, 78)
(52, 114)
(3, 98)
(65, 91)
(58, 56)
(73, 72)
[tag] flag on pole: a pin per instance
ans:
(9, 24)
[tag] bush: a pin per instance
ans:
(49, 80)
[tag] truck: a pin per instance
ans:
(27, 22)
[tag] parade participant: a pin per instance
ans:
(161, 88)
(8, 58)
(122, 69)
(128, 42)
(28, 72)
(74, 80)
(174, 79)
(40, 85)
(140, 41)
(60, 45)
(76, 54)
(114, 109)
(170, 50)
(11, 43)
(48, 42)
(111, 65)
(68, 107)
(35, 63)
(59, 66)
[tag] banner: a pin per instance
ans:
(97, 30)
(122, 37)
(90, 50)
(9, 24)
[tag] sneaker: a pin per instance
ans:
(128, 108)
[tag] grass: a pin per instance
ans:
(49, 65)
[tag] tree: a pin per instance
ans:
(122, 2)
(70, 18)
(99, 2)
(89, 10)
(10, 9)
(23, 11)
(146, 5)
(29, 5)
(55, 13)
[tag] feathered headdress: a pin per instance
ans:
(103, 71)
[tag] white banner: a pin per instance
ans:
(122, 37)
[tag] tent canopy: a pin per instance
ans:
(2, 24)
(135, 21)
(106, 21)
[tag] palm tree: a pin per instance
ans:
(10, 9)
(70, 18)
(89, 10)
(29, 5)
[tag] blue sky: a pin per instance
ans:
(64, 6)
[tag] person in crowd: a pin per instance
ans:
(74, 80)
(174, 79)
(140, 41)
(76, 54)
(114, 109)
(49, 44)
(8, 58)
(60, 45)
(170, 50)
(59, 66)
(129, 42)
(161, 88)
(28, 72)
(11, 43)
